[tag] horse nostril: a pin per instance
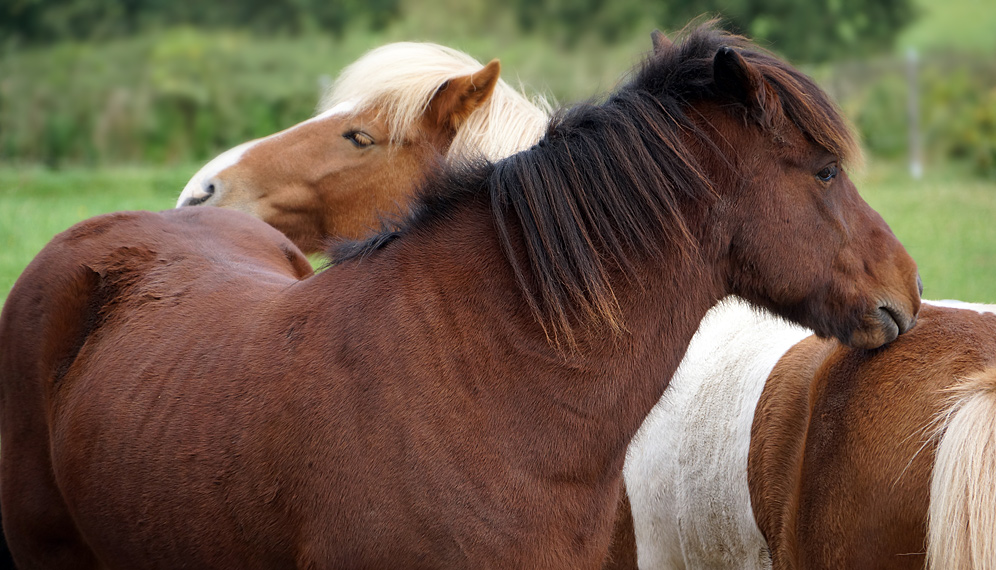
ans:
(891, 315)
(208, 188)
(211, 185)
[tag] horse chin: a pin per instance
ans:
(881, 326)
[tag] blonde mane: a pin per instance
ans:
(401, 79)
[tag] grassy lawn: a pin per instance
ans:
(952, 24)
(36, 204)
(945, 220)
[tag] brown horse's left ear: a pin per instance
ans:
(739, 80)
(660, 41)
(456, 99)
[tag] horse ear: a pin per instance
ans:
(735, 77)
(456, 99)
(660, 41)
(739, 80)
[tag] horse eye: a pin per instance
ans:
(827, 174)
(359, 139)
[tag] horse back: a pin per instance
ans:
(842, 443)
(72, 286)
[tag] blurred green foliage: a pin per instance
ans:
(957, 107)
(962, 117)
(36, 22)
(803, 31)
(173, 96)
(115, 81)
(184, 94)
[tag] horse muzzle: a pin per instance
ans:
(883, 324)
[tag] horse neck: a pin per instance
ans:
(595, 397)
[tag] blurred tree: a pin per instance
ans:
(567, 20)
(45, 21)
(816, 30)
(812, 31)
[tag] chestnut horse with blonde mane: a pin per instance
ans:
(458, 392)
(387, 119)
(853, 458)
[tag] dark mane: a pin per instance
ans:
(608, 183)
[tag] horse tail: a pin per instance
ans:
(962, 512)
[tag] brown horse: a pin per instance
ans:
(846, 445)
(842, 461)
(456, 393)
(387, 119)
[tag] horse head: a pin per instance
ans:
(391, 117)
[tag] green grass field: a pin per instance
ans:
(946, 220)
(952, 24)
(36, 204)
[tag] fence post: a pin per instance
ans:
(913, 109)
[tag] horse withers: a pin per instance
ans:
(458, 392)
(389, 118)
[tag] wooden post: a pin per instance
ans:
(913, 108)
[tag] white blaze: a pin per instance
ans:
(197, 186)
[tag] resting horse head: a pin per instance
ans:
(389, 116)
(776, 130)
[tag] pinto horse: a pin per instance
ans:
(458, 392)
(853, 452)
(849, 449)
(388, 117)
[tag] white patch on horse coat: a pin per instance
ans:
(686, 469)
(338, 109)
(955, 304)
(197, 186)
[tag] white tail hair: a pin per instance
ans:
(402, 77)
(961, 530)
